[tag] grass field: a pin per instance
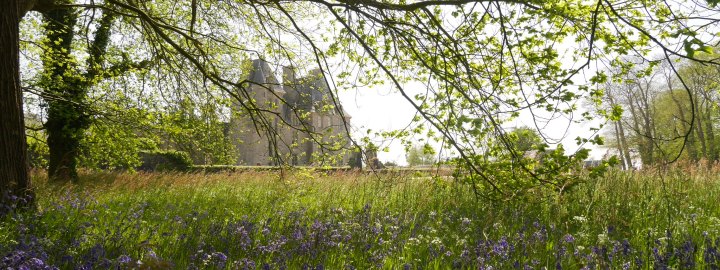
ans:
(652, 219)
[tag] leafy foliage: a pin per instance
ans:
(421, 155)
(482, 64)
(37, 151)
(524, 139)
(668, 116)
(202, 135)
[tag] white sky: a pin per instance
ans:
(382, 109)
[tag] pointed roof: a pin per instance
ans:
(262, 73)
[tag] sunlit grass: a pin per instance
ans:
(644, 219)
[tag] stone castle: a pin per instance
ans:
(294, 108)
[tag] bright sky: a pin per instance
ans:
(379, 109)
(382, 109)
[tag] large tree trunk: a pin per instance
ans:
(68, 116)
(642, 139)
(623, 161)
(67, 120)
(699, 128)
(625, 147)
(14, 178)
(646, 111)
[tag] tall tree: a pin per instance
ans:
(14, 179)
(524, 139)
(66, 119)
(670, 115)
(419, 155)
(704, 83)
(620, 140)
(692, 111)
(66, 83)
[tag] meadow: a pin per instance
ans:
(651, 219)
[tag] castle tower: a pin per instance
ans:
(254, 145)
(299, 102)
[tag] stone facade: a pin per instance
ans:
(305, 127)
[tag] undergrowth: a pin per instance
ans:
(650, 219)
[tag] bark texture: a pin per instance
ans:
(14, 176)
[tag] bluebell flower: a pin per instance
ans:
(123, 259)
(244, 264)
(220, 259)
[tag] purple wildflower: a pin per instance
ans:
(220, 259)
(123, 259)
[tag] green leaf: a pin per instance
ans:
(689, 51)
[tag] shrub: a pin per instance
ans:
(38, 153)
(161, 160)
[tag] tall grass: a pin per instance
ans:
(647, 219)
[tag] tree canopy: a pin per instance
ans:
(481, 63)
(419, 155)
(668, 115)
